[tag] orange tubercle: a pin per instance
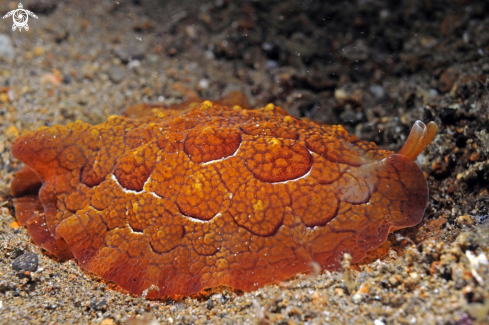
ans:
(420, 137)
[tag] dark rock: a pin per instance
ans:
(209, 304)
(271, 50)
(449, 115)
(26, 262)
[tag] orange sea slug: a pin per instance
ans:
(213, 196)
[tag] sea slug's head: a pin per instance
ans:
(399, 182)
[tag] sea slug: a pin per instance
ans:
(213, 195)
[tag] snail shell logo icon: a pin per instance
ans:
(20, 16)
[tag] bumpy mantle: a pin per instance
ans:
(213, 196)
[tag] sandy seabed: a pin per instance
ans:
(373, 66)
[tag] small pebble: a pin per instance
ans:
(357, 298)
(204, 83)
(340, 95)
(378, 91)
(38, 51)
(26, 262)
(116, 74)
